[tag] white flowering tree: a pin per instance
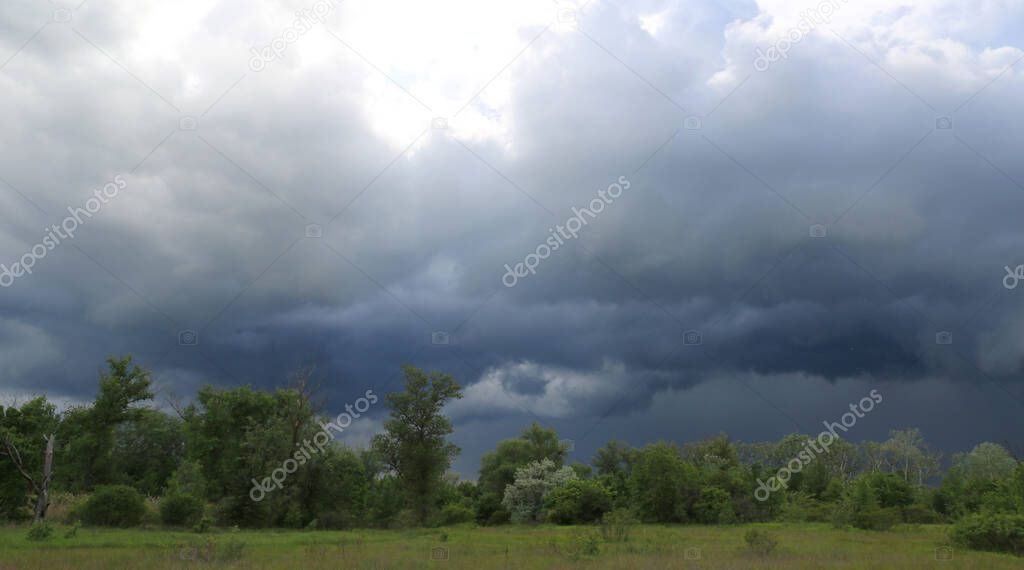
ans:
(524, 498)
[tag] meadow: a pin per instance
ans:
(800, 546)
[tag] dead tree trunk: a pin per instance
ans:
(43, 501)
(42, 487)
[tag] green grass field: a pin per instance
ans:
(527, 548)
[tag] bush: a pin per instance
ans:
(40, 531)
(584, 543)
(714, 506)
(114, 505)
(455, 513)
(998, 532)
(890, 489)
(181, 509)
(578, 502)
(489, 510)
(616, 525)
(760, 542)
(875, 519)
(860, 509)
(203, 526)
(920, 514)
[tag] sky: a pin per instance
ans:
(654, 220)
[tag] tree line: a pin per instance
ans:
(199, 465)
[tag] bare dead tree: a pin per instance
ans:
(40, 487)
(308, 402)
(177, 404)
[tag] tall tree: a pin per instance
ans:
(498, 467)
(414, 441)
(89, 431)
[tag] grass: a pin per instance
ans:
(808, 546)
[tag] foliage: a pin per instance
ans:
(228, 439)
(89, 432)
(40, 531)
(584, 543)
(860, 509)
(991, 531)
(498, 468)
(524, 498)
(616, 525)
(23, 428)
(890, 489)
(760, 542)
(663, 485)
(414, 441)
(714, 506)
(455, 513)
(203, 526)
(181, 509)
(188, 479)
(578, 501)
(114, 505)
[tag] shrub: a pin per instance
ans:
(920, 514)
(40, 531)
(616, 525)
(498, 517)
(714, 506)
(860, 509)
(455, 513)
(188, 479)
(72, 531)
(181, 509)
(489, 510)
(999, 532)
(203, 526)
(584, 543)
(114, 505)
(875, 519)
(578, 502)
(760, 542)
(795, 507)
(890, 489)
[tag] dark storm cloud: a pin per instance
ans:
(713, 234)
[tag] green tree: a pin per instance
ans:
(414, 443)
(613, 458)
(498, 467)
(662, 484)
(147, 450)
(89, 432)
(578, 502)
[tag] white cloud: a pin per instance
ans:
(542, 390)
